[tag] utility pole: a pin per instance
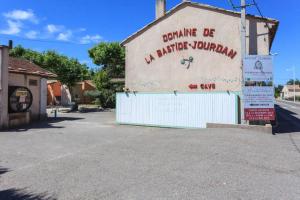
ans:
(243, 28)
(294, 80)
(243, 53)
(294, 76)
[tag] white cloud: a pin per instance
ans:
(13, 28)
(65, 36)
(21, 15)
(51, 28)
(82, 29)
(31, 34)
(90, 39)
(22, 22)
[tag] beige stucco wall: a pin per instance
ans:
(289, 93)
(23, 80)
(168, 74)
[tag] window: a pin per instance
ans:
(33, 82)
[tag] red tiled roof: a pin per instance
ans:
(22, 66)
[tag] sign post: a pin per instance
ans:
(258, 88)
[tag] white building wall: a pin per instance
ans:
(181, 110)
(288, 93)
(66, 98)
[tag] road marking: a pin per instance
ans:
(287, 106)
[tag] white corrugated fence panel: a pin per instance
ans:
(184, 110)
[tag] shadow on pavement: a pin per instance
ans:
(16, 194)
(287, 122)
(54, 120)
(47, 124)
(20, 194)
(3, 170)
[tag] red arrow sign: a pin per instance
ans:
(193, 86)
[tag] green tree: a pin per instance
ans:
(68, 70)
(278, 90)
(101, 80)
(111, 57)
(291, 82)
(28, 54)
(107, 91)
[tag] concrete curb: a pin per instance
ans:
(263, 129)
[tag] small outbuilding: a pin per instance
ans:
(60, 94)
(23, 90)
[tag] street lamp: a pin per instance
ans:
(294, 80)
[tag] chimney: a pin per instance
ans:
(10, 44)
(160, 8)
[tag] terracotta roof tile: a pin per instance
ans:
(22, 66)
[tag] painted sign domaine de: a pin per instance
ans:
(258, 89)
(173, 45)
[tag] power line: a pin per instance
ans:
(237, 7)
(253, 4)
(232, 5)
(258, 9)
(43, 41)
(260, 13)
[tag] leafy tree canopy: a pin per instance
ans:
(278, 90)
(68, 70)
(291, 82)
(111, 57)
(101, 80)
(107, 89)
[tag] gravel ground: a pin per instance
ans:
(88, 156)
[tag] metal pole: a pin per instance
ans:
(243, 27)
(243, 53)
(294, 74)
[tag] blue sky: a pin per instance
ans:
(72, 27)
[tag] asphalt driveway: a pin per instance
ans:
(88, 156)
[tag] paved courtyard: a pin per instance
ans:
(88, 156)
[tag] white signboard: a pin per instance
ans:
(258, 90)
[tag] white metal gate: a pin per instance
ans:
(181, 110)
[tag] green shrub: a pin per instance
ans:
(97, 102)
